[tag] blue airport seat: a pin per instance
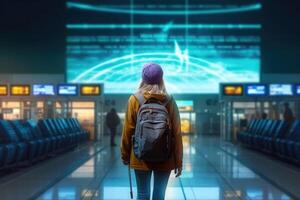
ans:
(288, 145)
(60, 139)
(35, 148)
(47, 133)
(27, 140)
(37, 135)
(281, 130)
(2, 161)
(9, 136)
(72, 126)
(281, 143)
(258, 139)
(264, 131)
(43, 143)
(73, 135)
(241, 136)
(270, 133)
(78, 130)
(7, 133)
(85, 134)
(67, 137)
(10, 152)
(273, 136)
(257, 131)
(22, 152)
(58, 133)
(250, 131)
(297, 151)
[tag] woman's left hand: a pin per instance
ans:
(178, 171)
(125, 162)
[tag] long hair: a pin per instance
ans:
(152, 89)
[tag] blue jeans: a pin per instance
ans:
(143, 180)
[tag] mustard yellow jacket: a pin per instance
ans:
(127, 153)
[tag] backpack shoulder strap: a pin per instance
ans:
(167, 100)
(140, 97)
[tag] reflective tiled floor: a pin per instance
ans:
(209, 173)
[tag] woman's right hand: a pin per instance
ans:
(178, 171)
(125, 162)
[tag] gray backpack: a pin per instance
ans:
(152, 137)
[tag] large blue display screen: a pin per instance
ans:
(198, 43)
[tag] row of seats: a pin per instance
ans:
(27, 141)
(273, 136)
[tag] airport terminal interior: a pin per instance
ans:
(232, 69)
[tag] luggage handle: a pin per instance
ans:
(129, 172)
(130, 183)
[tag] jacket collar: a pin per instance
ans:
(160, 97)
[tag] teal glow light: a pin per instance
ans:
(163, 26)
(183, 103)
(111, 9)
(124, 62)
(110, 43)
(195, 73)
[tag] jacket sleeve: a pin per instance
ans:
(176, 129)
(128, 129)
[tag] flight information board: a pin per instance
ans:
(90, 90)
(3, 90)
(67, 90)
(256, 90)
(20, 90)
(233, 90)
(281, 90)
(297, 88)
(199, 44)
(43, 90)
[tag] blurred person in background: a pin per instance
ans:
(112, 122)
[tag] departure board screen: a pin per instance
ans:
(256, 90)
(67, 90)
(199, 44)
(233, 90)
(43, 90)
(281, 89)
(297, 89)
(3, 90)
(90, 90)
(20, 90)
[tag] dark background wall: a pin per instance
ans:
(32, 36)
(281, 36)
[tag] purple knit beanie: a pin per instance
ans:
(152, 73)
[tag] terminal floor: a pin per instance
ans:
(212, 170)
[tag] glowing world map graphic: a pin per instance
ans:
(198, 45)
